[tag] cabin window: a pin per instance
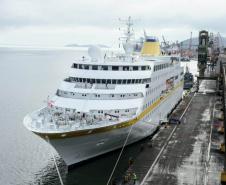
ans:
(75, 65)
(80, 66)
(105, 68)
(125, 68)
(143, 68)
(135, 68)
(94, 67)
(115, 68)
(92, 81)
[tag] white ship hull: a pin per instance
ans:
(77, 149)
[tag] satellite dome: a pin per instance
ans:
(95, 53)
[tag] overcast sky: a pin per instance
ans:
(60, 22)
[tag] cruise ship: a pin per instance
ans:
(108, 99)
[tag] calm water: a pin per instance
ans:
(27, 77)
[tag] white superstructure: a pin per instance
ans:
(103, 97)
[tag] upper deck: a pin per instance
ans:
(121, 67)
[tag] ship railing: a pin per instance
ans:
(83, 85)
(44, 121)
(104, 86)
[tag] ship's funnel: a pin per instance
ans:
(151, 47)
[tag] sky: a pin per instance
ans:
(61, 22)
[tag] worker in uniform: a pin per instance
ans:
(134, 178)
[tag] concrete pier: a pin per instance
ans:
(189, 152)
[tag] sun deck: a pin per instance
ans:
(46, 121)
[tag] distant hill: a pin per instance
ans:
(195, 41)
(85, 45)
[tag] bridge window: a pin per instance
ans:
(106, 67)
(86, 66)
(75, 65)
(80, 66)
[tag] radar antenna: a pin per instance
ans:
(128, 38)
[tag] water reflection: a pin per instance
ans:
(95, 171)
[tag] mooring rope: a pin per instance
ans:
(54, 160)
(109, 180)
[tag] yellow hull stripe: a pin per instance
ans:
(111, 127)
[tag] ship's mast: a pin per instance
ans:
(129, 33)
(128, 38)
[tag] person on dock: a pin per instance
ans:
(130, 161)
(126, 179)
(113, 182)
(134, 178)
